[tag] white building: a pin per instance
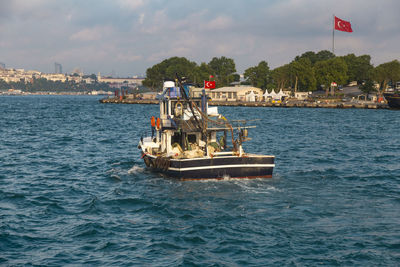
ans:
(302, 95)
(133, 80)
(237, 93)
(54, 77)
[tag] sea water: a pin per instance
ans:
(74, 190)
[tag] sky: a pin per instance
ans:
(125, 37)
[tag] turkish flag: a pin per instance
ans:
(342, 25)
(209, 84)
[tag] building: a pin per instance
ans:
(236, 93)
(149, 95)
(132, 80)
(302, 95)
(57, 68)
(54, 77)
(18, 75)
(2, 65)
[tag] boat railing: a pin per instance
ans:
(223, 153)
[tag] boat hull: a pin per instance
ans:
(248, 166)
(393, 100)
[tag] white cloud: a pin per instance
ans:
(128, 57)
(90, 34)
(156, 23)
(131, 4)
(141, 18)
(219, 23)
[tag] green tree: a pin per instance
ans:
(315, 57)
(202, 73)
(359, 68)
(281, 77)
(387, 72)
(303, 74)
(310, 55)
(4, 85)
(167, 70)
(368, 87)
(331, 70)
(94, 77)
(324, 55)
(223, 70)
(258, 76)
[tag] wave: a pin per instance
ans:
(136, 169)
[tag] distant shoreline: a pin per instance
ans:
(48, 93)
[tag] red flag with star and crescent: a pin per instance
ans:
(209, 84)
(342, 25)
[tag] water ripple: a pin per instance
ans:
(74, 191)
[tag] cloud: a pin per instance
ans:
(130, 36)
(90, 34)
(219, 23)
(141, 18)
(128, 57)
(131, 4)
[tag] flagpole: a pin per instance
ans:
(333, 35)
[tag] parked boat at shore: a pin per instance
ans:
(192, 141)
(393, 99)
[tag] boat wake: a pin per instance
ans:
(254, 187)
(113, 173)
(135, 169)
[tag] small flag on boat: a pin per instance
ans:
(342, 25)
(209, 84)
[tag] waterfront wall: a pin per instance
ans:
(298, 104)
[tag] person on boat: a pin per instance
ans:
(153, 125)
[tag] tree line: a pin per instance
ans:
(223, 69)
(309, 71)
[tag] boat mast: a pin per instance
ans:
(202, 126)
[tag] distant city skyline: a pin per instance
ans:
(57, 68)
(128, 36)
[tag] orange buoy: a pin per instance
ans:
(153, 121)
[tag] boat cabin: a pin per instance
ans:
(180, 131)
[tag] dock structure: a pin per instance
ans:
(297, 104)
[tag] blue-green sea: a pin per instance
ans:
(74, 191)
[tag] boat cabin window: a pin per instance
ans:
(176, 138)
(192, 138)
(164, 108)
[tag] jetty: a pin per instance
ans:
(288, 104)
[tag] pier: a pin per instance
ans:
(289, 104)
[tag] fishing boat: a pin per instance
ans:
(192, 141)
(393, 99)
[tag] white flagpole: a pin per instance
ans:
(333, 35)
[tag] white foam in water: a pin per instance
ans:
(135, 169)
(112, 171)
(115, 177)
(226, 177)
(247, 186)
